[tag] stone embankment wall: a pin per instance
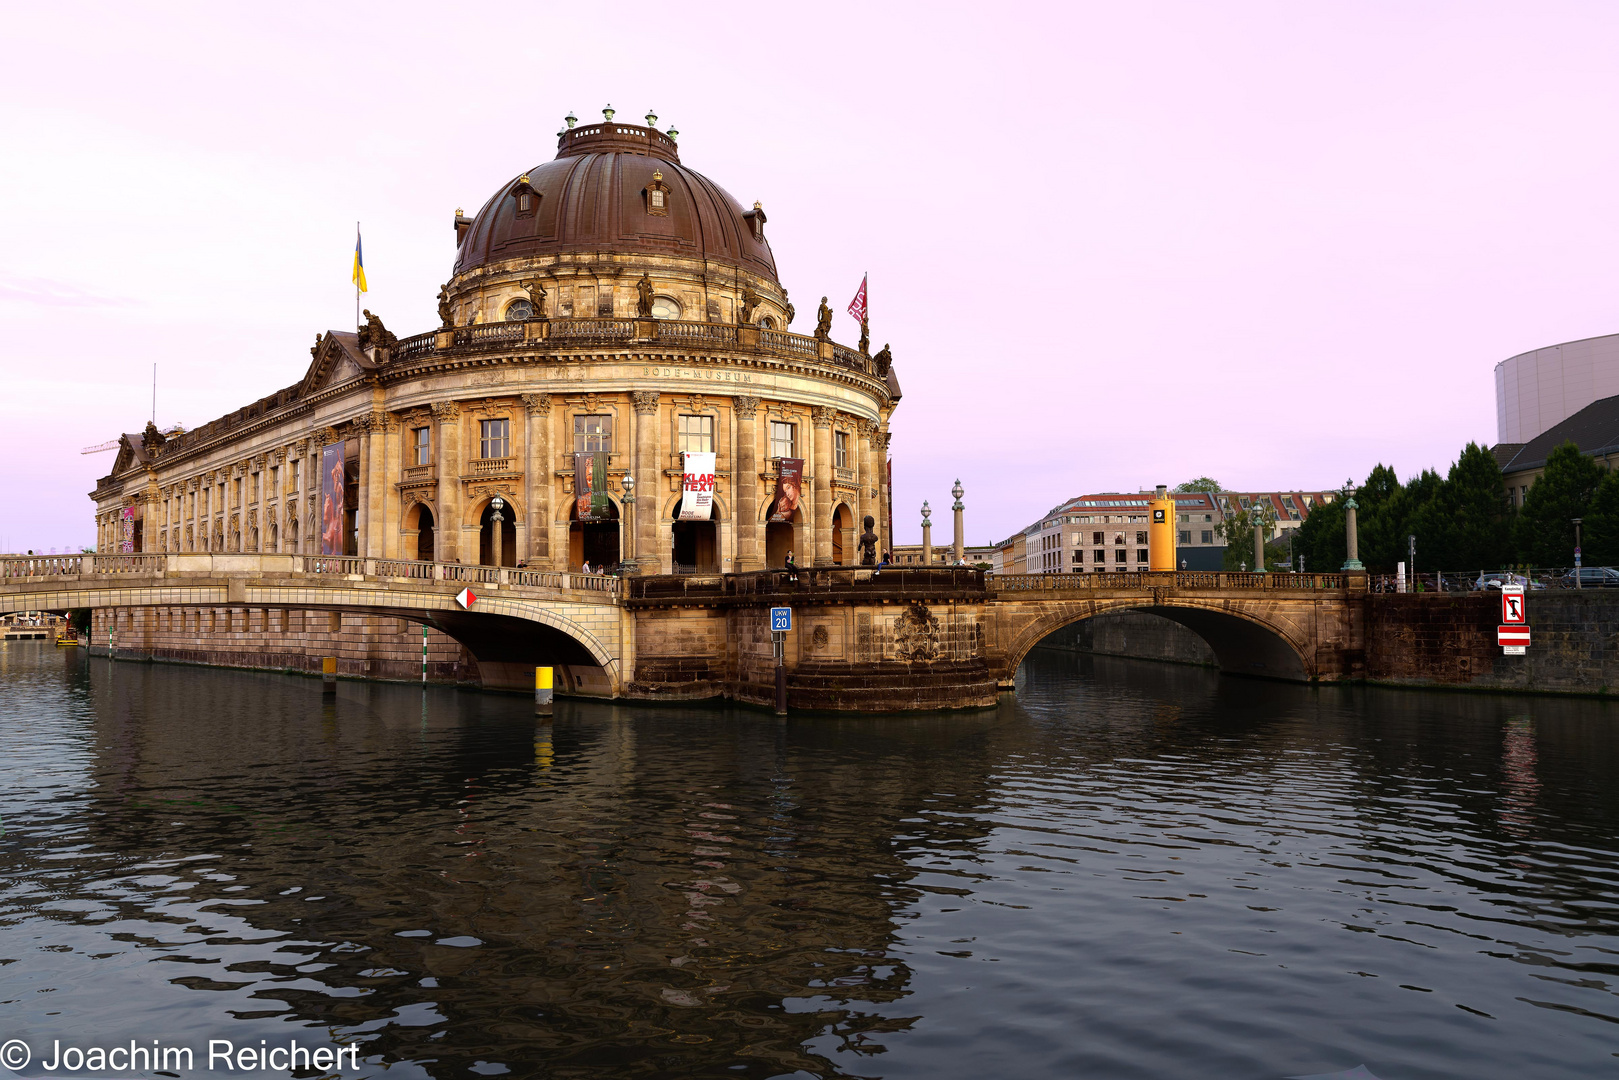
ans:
(1450, 641)
(1136, 634)
(281, 639)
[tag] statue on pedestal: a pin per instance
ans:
(446, 313)
(536, 297)
(868, 543)
(865, 338)
(750, 301)
(823, 322)
(882, 361)
(373, 335)
(643, 297)
(791, 311)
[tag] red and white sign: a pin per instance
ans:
(857, 306)
(697, 485)
(466, 598)
(1512, 635)
(1512, 611)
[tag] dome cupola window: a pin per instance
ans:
(756, 221)
(528, 200)
(519, 310)
(665, 307)
(657, 196)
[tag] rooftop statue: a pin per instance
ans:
(373, 335)
(868, 543)
(536, 296)
(791, 311)
(446, 314)
(750, 302)
(823, 322)
(643, 297)
(865, 338)
(882, 361)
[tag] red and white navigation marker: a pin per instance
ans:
(1512, 639)
(466, 598)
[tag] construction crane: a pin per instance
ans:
(112, 444)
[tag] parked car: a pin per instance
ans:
(1592, 577)
(1500, 578)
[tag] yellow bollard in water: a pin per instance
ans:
(542, 691)
(328, 676)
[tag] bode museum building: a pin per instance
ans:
(614, 381)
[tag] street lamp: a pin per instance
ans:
(629, 514)
(959, 543)
(927, 534)
(497, 504)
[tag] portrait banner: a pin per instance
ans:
(590, 486)
(788, 484)
(331, 499)
(697, 485)
(127, 545)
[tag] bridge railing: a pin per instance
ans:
(1164, 579)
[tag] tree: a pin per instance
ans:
(1467, 524)
(1320, 540)
(1206, 484)
(1601, 526)
(1544, 531)
(1381, 520)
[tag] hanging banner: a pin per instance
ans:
(788, 483)
(331, 499)
(590, 486)
(697, 487)
(128, 544)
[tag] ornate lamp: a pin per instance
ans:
(608, 112)
(629, 488)
(674, 135)
(570, 119)
(958, 491)
(651, 119)
(497, 504)
(927, 512)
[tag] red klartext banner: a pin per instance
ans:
(331, 499)
(590, 486)
(697, 487)
(788, 485)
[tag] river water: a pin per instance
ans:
(1131, 870)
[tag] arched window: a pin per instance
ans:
(518, 310)
(665, 307)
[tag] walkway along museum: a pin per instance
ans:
(614, 386)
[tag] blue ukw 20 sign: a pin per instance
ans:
(781, 620)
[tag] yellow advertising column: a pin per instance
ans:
(1161, 531)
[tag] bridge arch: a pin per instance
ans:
(1245, 639)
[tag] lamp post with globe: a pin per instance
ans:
(958, 548)
(496, 505)
(629, 515)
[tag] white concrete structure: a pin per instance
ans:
(1543, 387)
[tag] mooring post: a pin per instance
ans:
(328, 676)
(542, 691)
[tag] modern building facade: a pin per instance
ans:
(1543, 387)
(610, 302)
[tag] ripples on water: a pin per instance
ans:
(1134, 870)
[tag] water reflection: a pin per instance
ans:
(1132, 870)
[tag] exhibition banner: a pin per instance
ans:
(590, 486)
(788, 483)
(127, 546)
(331, 499)
(697, 486)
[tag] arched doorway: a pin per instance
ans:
(842, 535)
(421, 519)
(780, 538)
(275, 537)
(595, 542)
(696, 544)
(508, 535)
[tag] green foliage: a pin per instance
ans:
(1467, 524)
(1203, 483)
(1320, 540)
(1544, 531)
(1237, 532)
(1601, 527)
(79, 619)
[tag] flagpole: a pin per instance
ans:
(356, 280)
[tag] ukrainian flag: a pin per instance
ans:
(359, 263)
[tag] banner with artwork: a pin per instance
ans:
(697, 486)
(127, 546)
(590, 486)
(331, 499)
(789, 482)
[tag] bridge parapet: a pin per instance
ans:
(1167, 579)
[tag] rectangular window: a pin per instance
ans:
(496, 438)
(840, 449)
(1141, 538)
(1079, 557)
(1118, 538)
(1208, 536)
(1120, 555)
(592, 433)
(1099, 555)
(1141, 554)
(295, 464)
(422, 439)
(238, 491)
(783, 439)
(696, 434)
(1096, 538)
(1186, 536)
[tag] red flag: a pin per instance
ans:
(857, 306)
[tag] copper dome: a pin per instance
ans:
(594, 196)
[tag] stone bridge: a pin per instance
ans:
(889, 640)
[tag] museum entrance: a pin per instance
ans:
(842, 535)
(780, 538)
(424, 533)
(696, 545)
(595, 542)
(508, 536)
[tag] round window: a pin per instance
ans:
(518, 310)
(665, 308)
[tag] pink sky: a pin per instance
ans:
(1112, 245)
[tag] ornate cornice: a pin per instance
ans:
(445, 410)
(745, 406)
(537, 403)
(822, 416)
(326, 436)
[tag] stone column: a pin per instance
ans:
(745, 525)
(537, 477)
(959, 543)
(647, 493)
(373, 470)
(867, 493)
(391, 472)
(822, 511)
(447, 514)
(1351, 536)
(927, 534)
(1259, 548)
(885, 498)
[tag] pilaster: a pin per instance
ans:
(648, 496)
(745, 524)
(537, 478)
(447, 515)
(821, 417)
